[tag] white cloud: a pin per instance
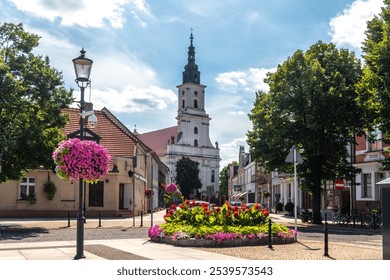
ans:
(251, 80)
(85, 13)
(348, 28)
(130, 99)
(231, 149)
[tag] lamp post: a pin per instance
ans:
(295, 157)
(82, 67)
(1, 159)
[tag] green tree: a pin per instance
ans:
(374, 88)
(223, 180)
(187, 176)
(311, 104)
(32, 95)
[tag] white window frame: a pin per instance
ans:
(29, 183)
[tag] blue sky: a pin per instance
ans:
(139, 49)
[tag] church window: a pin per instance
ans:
(212, 176)
(196, 143)
(183, 92)
(195, 130)
(183, 103)
(195, 103)
(195, 92)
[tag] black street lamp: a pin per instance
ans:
(82, 67)
(1, 159)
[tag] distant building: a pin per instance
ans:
(190, 138)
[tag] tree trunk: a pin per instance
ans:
(316, 191)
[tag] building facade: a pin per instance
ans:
(134, 167)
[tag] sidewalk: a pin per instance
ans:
(142, 248)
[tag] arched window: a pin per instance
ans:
(196, 143)
(195, 130)
(183, 103)
(212, 176)
(195, 103)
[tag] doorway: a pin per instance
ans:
(121, 196)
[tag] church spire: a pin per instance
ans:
(191, 73)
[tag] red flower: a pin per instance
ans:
(235, 208)
(243, 206)
(166, 216)
(173, 206)
(265, 212)
(181, 206)
(208, 212)
(236, 214)
(188, 202)
(257, 206)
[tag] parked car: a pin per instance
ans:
(250, 205)
(235, 203)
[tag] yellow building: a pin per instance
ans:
(134, 167)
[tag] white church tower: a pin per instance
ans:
(193, 138)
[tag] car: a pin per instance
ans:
(235, 203)
(198, 202)
(250, 205)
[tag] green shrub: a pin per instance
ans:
(289, 207)
(279, 206)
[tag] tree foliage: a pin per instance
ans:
(311, 104)
(223, 180)
(374, 88)
(32, 95)
(187, 176)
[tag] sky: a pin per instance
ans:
(139, 49)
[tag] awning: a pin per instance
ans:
(241, 194)
(384, 182)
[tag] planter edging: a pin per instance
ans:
(193, 242)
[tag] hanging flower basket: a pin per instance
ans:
(172, 193)
(149, 193)
(76, 159)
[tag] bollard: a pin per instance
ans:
(326, 237)
(361, 218)
(270, 234)
(142, 218)
(100, 218)
(68, 218)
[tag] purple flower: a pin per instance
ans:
(77, 159)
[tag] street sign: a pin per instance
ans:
(290, 156)
(340, 185)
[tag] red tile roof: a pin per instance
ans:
(158, 140)
(115, 137)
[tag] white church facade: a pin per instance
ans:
(190, 138)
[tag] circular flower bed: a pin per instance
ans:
(76, 159)
(190, 225)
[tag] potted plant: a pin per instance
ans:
(289, 208)
(50, 189)
(31, 199)
(279, 206)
